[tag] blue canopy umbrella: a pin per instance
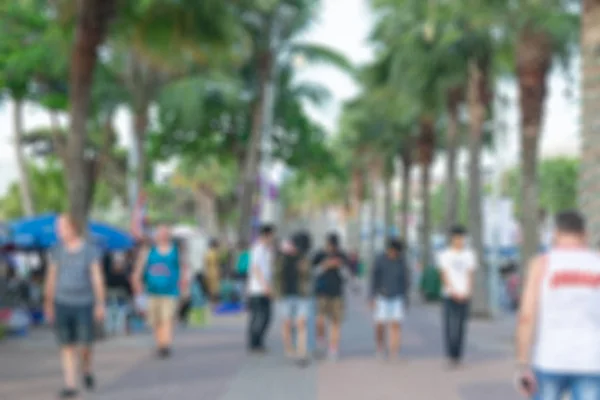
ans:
(40, 232)
(4, 235)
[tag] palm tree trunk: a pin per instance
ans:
(252, 157)
(477, 111)
(206, 211)
(425, 240)
(452, 143)
(534, 58)
(353, 226)
(373, 218)
(24, 182)
(589, 184)
(90, 31)
(426, 144)
(405, 195)
(388, 216)
(140, 127)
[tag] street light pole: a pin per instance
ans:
(132, 166)
(266, 163)
(499, 147)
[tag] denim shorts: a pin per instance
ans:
(294, 307)
(553, 386)
(74, 324)
(389, 309)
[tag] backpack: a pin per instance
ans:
(161, 283)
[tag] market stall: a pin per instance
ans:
(24, 244)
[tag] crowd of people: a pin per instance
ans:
(78, 290)
(558, 336)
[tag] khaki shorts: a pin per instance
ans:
(161, 309)
(331, 308)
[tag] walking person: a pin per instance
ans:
(355, 268)
(389, 297)
(117, 277)
(331, 271)
(260, 289)
(292, 282)
(161, 272)
(457, 266)
(242, 264)
(212, 271)
(243, 261)
(74, 301)
(558, 332)
(185, 302)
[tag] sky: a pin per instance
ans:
(345, 26)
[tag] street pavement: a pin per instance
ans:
(211, 364)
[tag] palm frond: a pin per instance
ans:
(317, 54)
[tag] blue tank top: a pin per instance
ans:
(162, 273)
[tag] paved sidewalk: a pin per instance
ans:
(211, 364)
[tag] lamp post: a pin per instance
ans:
(132, 166)
(281, 16)
(499, 149)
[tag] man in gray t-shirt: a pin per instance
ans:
(73, 274)
(74, 301)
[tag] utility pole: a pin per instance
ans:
(268, 206)
(500, 146)
(132, 166)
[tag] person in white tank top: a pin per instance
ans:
(558, 333)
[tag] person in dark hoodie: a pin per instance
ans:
(389, 296)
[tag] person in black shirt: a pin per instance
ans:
(118, 294)
(331, 268)
(292, 283)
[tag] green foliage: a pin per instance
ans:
(558, 180)
(211, 114)
(32, 48)
(48, 191)
(302, 194)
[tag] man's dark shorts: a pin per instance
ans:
(74, 324)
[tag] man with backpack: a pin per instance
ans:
(162, 272)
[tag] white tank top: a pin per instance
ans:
(568, 329)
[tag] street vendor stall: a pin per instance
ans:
(24, 244)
